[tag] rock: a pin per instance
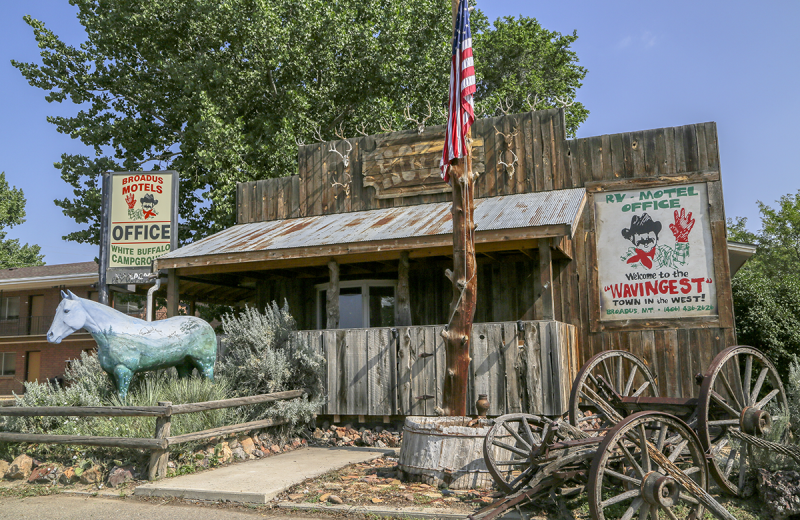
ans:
(376, 500)
(233, 444)
(3, 468)
(248, 446)
(780, 492)
(69, 476)
(333, 499)
(484, 500)
(296, 496)
(20, 468)
(275, 448)
(408, 496)
(120, 475)
(345, 440)
(44, 474)
(258, 453)
(239, 453)
(368, 438)
(225, 453)
(333, 486)
(92, 475)
(380, 444)
(318, 434)
(296, 443)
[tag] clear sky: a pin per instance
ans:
(651, 65)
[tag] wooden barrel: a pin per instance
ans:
(445, 452)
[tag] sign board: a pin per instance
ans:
(141, 223)
(654, 254)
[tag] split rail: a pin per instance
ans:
(162, 440)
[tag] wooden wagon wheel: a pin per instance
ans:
(741, 392)
(508, 449)
(625, 372)
(626, 481)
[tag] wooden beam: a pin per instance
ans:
(546, 277)
(402, 307)
(652, 182)
(173, 293)
(332, 296)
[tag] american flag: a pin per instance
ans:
(461, 113)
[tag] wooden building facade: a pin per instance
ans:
(343, 218)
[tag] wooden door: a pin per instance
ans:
(32, 366)
(36, 319)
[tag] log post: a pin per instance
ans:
(159, 458)
(332, 297)
(546, 277)
(463, 278)
(402, 310)
(173, 294)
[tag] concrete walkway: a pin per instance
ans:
(258, 481)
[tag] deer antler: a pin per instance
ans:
(362, 130)
(318, 134)
(508, 137)
(420, 124)
(563, 103)
(299, 141)
(536, 101)
(510, 167)
(505, 108)
(345, 157)
(388, 127)
(339, 132)
(345, 186)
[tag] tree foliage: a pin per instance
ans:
(766, 291)
(223, 91)
(12, 213)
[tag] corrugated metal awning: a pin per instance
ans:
(509, 217)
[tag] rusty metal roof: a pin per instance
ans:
(527, 210)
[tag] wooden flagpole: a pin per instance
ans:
(464, 280)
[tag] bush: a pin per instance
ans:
(793, 396)
(263, 357)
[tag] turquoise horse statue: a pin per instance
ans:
(128, 345)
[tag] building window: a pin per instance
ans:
(8, 363)
(362, 304)
(9, 308)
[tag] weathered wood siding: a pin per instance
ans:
(384, 371)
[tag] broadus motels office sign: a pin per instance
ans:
(141, 222)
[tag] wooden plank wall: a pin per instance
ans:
(384, 371)
(675, 349)
(536, 138)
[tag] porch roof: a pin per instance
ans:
(425, 228)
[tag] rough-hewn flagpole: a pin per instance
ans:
(463, 277)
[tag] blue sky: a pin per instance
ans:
(651, 65)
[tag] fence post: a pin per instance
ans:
(159, 458)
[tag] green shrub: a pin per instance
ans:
(793, 396)
(263, 357)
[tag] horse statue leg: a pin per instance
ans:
(122, 376)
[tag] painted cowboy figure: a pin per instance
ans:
(646, 250)
(148, 203)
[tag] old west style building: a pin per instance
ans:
(29, 297)
(359, 240)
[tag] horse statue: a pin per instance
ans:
(128, 345)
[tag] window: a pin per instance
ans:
(8, 363)
(364, 303)
(9, 308)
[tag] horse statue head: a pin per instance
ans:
(70, 317)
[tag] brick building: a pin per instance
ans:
(29, 297)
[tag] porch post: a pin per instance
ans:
(546, 277)
(402, 309)
(332, 296)
(173, 293)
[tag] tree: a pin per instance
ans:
(766, 291)
(223, 91)
(12, 213)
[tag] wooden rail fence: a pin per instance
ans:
(159, 445)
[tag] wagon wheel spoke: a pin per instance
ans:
(641, 389)
(718, 448)
(721, 401)
(728, 387)
(678, 450)
(609, 379)
(724, 422)
(643, 447)
(686, 497)
(691, 471)
(631, 460)
(742, 467)
(523, 477)
(623, 477)
(618, 376)
(516, 435)
(759, 382)
(514, 449)
(644, 510)
(748, 372)
(635, 506)
(731, 460)
(634, 493)
(767, 399)
(667, 510)
(662, 436)
(629, 382)
(528, 432)
(512, 462)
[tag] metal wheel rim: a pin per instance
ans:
(599, 360)
(733, 482)
(600, 474)
(507, 481)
